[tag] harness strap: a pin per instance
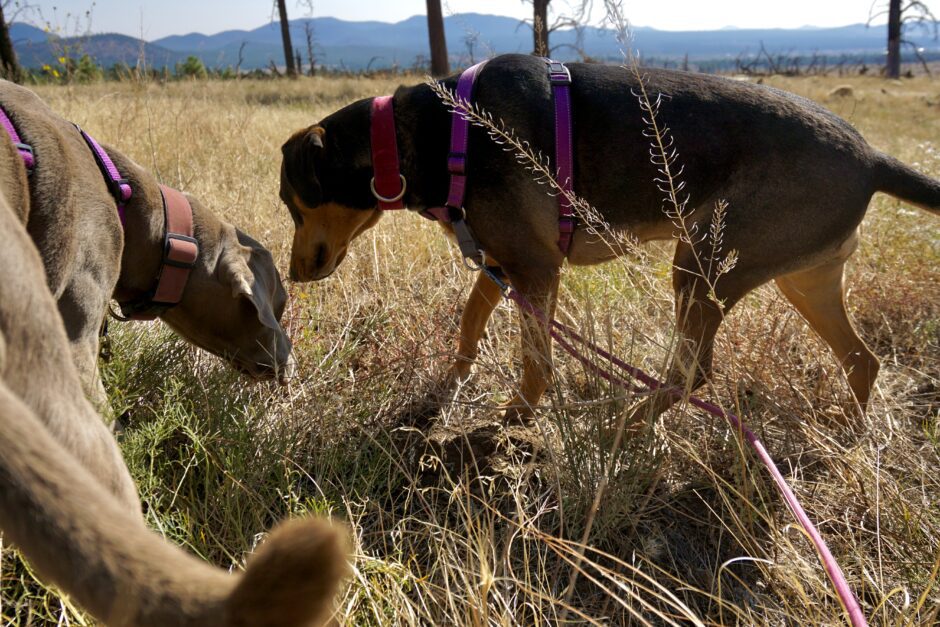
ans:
(460, 138)
(25, 150)
(180, 248)
(453, 211)
(388, 184)
(119, 187)
(387, 177)
(560, 78)
(457, 166)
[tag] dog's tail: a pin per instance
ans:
(901, 181)
(79, 537)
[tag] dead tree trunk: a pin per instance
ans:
(285, 36)
(540, 27)
(439, 65)
(893, 68)
(9, 67)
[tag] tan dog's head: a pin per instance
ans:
(324, 225)
(234, 301)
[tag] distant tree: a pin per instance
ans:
(311, 55)
(439, 64)
(87, 70)
(541, 28)
(285, 37)
(9, 66)
(901, 17)
(308, 37)
(192, 67)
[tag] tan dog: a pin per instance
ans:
(69, 504)
(797, 178)
(234, 298)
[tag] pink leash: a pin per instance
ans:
(559, 332)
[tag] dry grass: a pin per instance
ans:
(691, 529)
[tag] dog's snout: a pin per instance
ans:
(321, 258)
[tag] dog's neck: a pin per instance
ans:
(422, 126)
(143, 231)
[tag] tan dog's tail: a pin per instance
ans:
(901, 181)
(79, 537)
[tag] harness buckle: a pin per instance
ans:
(558, 73)
(115, 186)
(29, 158)
(180, 251)
(24, 148)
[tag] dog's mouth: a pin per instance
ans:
(302, 276)
(264, 371)
(303, 270)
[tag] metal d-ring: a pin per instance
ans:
(401, 194)
(472, 264)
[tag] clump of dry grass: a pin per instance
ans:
(690, 530)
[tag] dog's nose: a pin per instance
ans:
(287, 371)
(320, 260)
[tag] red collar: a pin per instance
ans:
(388, 183)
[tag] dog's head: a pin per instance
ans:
(312, 171)
(234, 301)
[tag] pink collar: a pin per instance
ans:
(388, 183)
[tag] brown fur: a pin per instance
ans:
(797, 178)
(234, 299)
(322, 239)
(69, 504)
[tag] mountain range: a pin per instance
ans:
(340, 44)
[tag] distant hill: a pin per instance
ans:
(357, 45)
(35, 47)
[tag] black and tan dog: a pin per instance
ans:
(234, 298)
(797, 178)
(69, 504)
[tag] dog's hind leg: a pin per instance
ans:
(700, 311)
(819, 297)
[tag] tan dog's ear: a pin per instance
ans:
(301, 154)
(250, 273)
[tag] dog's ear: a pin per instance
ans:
(249, 271)
(302, 153)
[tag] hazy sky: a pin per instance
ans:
(157, 18)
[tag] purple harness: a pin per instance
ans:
(25, 150)
(453, 211)
(180, 248)
(119, 187)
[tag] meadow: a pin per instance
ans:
(464, 522)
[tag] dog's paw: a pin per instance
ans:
(517, 412)
(458, 373)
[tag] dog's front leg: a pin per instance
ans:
(540, 287)
(483, 300)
